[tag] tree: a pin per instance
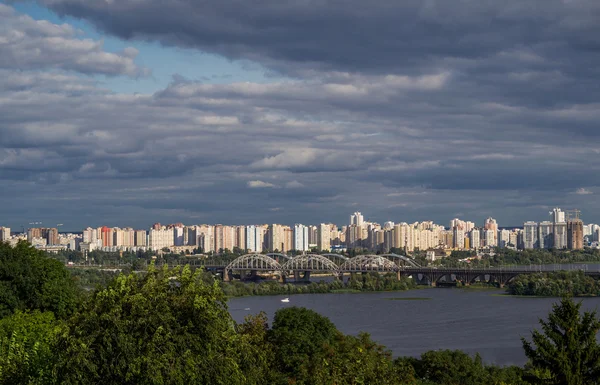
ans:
(166, 327)
(27, 343)
(566, 351)
(29, 279)
(299, 335)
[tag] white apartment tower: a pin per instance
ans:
(356, 219)
(300, 237)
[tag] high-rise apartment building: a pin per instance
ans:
(558, 216)
(575, 234)
(254, 238)
(504, 238)
(141, 238)
(206, 238)
(4, 234)
(492, 225)
(560, 235)
(530, 235)
(301, 238)
(324, 237)
(475, 240)
(276, 238)
(178, 235)
(546, 235)
(159, 239)
(356, 219)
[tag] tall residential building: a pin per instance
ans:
(458, 236)
(575, 234)
(107, 236)
(34, 232)
(546, 235)
(178, 235)
(504, 238)
(159, 239)
(560, 235)
(276, 238)
(530, 235)
(356, 219)
(141, 238)
(490, 237)
(558, 216)
(324, 237)
(254, 238)
(474, 235)
(491, 224)
(4, 234)
(206, 238)
(301, 237)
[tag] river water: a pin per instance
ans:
(465, 319)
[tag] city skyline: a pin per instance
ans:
(456, 110)
(565, 230)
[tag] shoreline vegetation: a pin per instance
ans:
(545, 284)
(173, 326)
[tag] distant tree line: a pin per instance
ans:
(555, 284)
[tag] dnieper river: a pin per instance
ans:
(466, 319)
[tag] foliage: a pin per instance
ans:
(566, 351)
(27, 348)
(554, 284)
(310, 350)
(454, 367)
(166, 327)
(362, 282)
(29, 279)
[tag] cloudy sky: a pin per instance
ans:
(129, 112)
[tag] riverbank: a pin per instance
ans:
(363, 283)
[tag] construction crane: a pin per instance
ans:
(573, 215)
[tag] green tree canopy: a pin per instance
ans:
(565, 352)
(165, 327)
(29, 279)
(27, 342)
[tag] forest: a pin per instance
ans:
(172, 326)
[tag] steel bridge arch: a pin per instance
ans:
(367, 263)
(285, 256)
(401, 257)
(311, 262)
(338, 259)
(258, 262)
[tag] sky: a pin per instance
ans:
(131, 112)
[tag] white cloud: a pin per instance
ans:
(583, 191)
(260, 184)
(294, 184)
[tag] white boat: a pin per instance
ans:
(285, 300)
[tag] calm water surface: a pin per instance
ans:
(468, 320)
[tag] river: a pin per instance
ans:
(466, 319)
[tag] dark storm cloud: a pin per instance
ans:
(410, 111)
(26, 43)
(375, 36)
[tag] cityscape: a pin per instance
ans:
(299, 192)
(564, 230)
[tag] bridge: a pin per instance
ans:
(301, 267)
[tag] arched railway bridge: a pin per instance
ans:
(301, 267)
